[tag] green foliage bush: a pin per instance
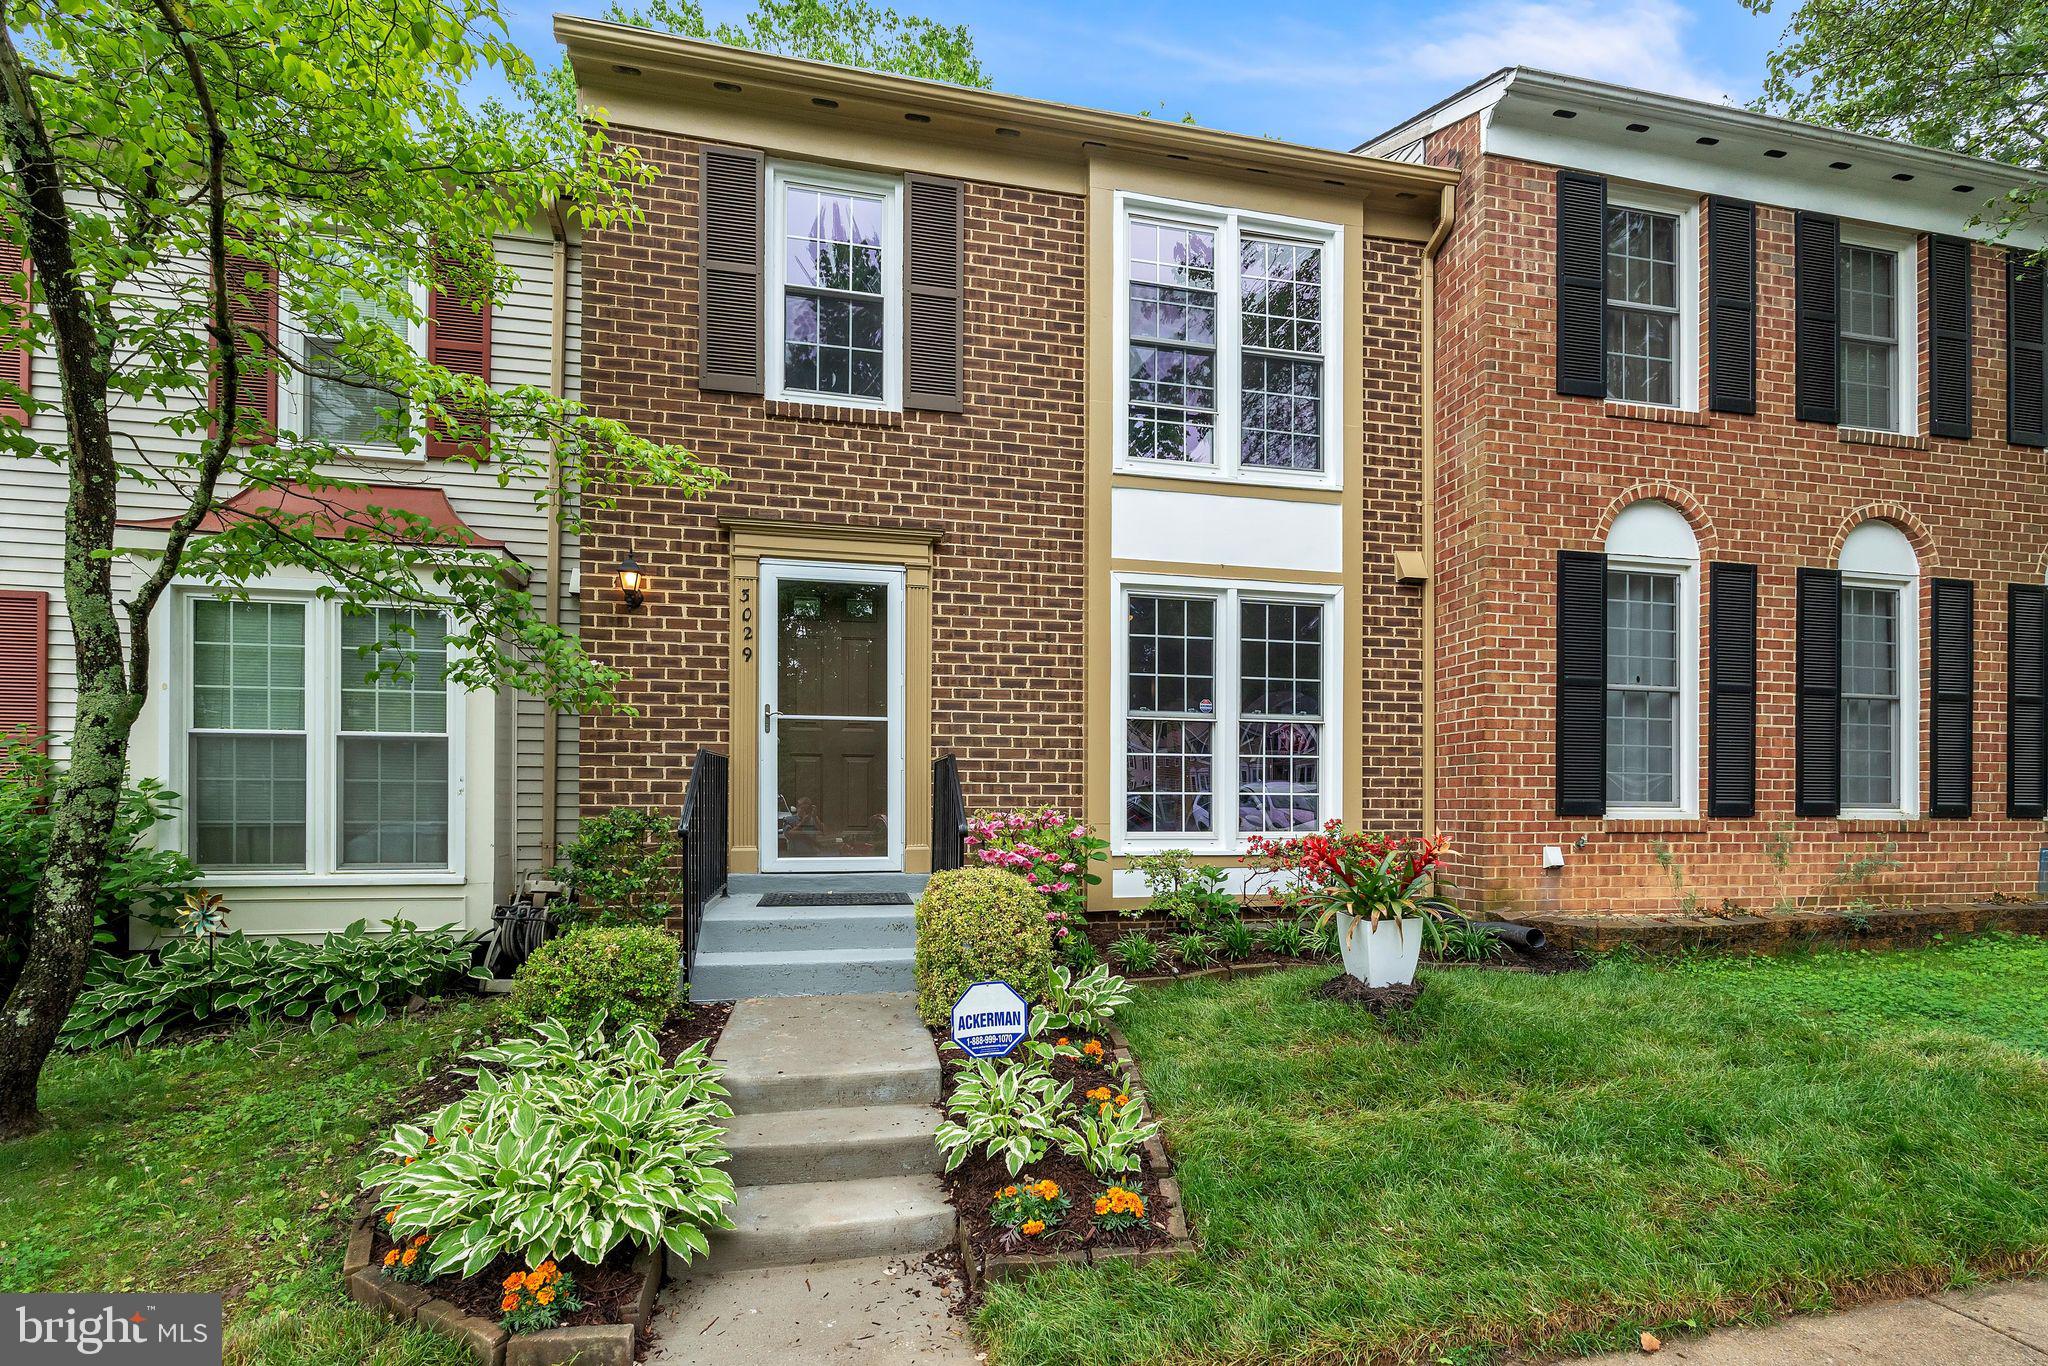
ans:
(978, 925)
(569, 1145)
(626, 868)
(633, 974)
(1193, 895)
(140, 879)
(355, 972)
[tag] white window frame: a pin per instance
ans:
(1644, 542)
(323, 751)
(294, 386)
(1685, 386)
(1906, 292)
(1887, 569)
(1225, 837)
(889, 189)
(1230, 225)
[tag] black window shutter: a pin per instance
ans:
(1731, 306)
(729, 228)
(1817, 784)
(2026, 351)
(2026, 701)
(933, 272)
(1955, 618)
(1731, 690)
(1816, 330)
(1582, 284)
(1581, 683)
(1948, 337)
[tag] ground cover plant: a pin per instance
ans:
(354, 973)
(1532, 1164)
(227, 1164)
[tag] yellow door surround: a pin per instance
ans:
(751, 540)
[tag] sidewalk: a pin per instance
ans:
(1998, 1325)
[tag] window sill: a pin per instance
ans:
(1243, 480)
(1651, 412)
(1651, 823)
(834, 414)
(425, 877)
(1866, 436)
(1880, 822)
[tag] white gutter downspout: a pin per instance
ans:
(551, 610)
(1447, 204)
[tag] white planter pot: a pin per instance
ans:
(1382, 955)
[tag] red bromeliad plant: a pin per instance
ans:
(1368, 877)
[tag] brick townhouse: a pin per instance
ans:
(1740, 515)
(1081, 448)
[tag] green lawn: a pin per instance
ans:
(225, 1166)
(1552, 1164)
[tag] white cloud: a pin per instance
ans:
(1640, 43)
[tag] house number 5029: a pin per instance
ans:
(746, 625)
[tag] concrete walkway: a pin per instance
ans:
(1998, 1325)
(874, 1311)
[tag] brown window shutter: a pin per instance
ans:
(252, 312)
(729, 228)
(459, 341)
(934, 269)
(24, 666)
(14, 360)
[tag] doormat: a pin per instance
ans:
(773, 899)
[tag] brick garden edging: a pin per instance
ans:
(597, 1344)
(1004, 1266)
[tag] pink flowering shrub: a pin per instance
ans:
(1049, 850)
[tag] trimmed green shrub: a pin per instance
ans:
(633, 974)
(625, 866)
(978, 925)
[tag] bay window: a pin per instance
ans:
(1225, 701)
(1227, 327)
(317, 740)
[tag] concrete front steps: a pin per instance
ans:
(748, 950)
(831, 1134)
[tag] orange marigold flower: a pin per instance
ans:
(412, 1254)
(1006, 1192)
(1099, 1093)
(1032, 1226)
(546, 1268)
(544, 1296)
(509, 1303)
(1122, 1099)
(514, 1281)
(391, 1257)
(419, 1240)
(390, 1215)
(1093, 1048)
(1046, 1190)
(1063, 1041)
(432, 1139)
(1102, 1204)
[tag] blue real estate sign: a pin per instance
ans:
(990, 1019)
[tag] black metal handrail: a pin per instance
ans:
(949, 816)
(702, 830)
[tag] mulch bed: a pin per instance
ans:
(608, 1290)
(971, 1186)
(1381, 1001)
(702, 1020)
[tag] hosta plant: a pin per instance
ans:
(1009, 1109)
(1108, 1138)
(1084, 1004)
(354, 973)
(573, 1149)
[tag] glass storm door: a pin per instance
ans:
(831, 717)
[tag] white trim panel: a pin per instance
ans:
(1226, 530)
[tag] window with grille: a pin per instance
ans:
(393, 741)
(248, 734)
(833, 279)
(1643, 693)
(1870, 338)
(1644, 310)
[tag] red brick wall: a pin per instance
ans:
(1002, 480)
(1526, 473)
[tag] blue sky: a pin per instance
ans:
(1330, 74)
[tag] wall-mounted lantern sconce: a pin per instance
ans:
(629, 581)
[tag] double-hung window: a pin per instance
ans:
(833, 307)
(341, 405)
(1226, 700)
(1228, 323)
(317, 740)
(1870, 696)
(1869, 306)
(1645, 319)
(1643, 695)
